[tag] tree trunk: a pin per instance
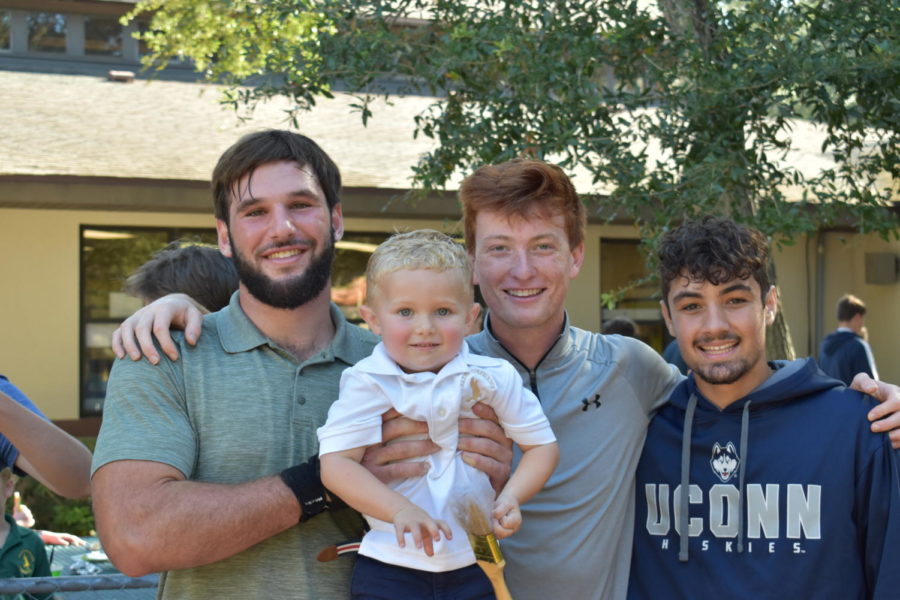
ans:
(779, 344)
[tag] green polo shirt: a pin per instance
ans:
(236, 407)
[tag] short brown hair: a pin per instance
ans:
(713, 249)
(849, 306)
(269, 146)
(522, 187)
(201, 272)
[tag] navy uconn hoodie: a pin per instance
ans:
(789, 495)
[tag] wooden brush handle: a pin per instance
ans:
(494, 572)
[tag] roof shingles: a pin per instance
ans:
(86, 126)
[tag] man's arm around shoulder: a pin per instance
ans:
(652, 378)
(150, 518)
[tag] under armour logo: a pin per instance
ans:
(587, 402)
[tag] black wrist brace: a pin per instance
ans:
(306, 484)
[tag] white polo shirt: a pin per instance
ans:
(376, 384)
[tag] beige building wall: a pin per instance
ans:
(583, 302)
(796, 293)
(844, 271)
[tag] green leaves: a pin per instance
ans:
(691, 108)
(275, 42)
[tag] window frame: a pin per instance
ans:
(122, 37)
(172, 234)
(42, 52)
(651, 326)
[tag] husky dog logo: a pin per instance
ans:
(724, 461)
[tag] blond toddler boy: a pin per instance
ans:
(420, 300)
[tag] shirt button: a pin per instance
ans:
(301, 400)
(442, 412)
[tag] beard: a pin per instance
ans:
(724, 373)
(294, 291)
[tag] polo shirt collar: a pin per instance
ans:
(236, 331)
(348, 344)
(14, 537)
(380, 363)
(238, 334)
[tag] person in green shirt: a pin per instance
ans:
(205, 469)
(22, 552)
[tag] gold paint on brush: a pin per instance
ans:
(486, 548)
(484, 544)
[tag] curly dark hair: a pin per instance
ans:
(713, 249)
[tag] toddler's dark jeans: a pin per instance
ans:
(375, 580)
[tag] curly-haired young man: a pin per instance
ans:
(758, 479)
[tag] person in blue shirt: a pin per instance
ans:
(759, 479)
(672, 355)
(845, 351)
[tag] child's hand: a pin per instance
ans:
(506, 518)
(53, 538)
(412, 519)
(21, 513)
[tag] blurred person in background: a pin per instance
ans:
(620, 326)
(846, 351)
(199, 271)
(22, 552)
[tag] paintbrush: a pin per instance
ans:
(484, 544)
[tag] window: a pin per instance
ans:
(108, 257)
(110, 254)
(102, 37)
(47, 32)
(5, 43)
(621, 266)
